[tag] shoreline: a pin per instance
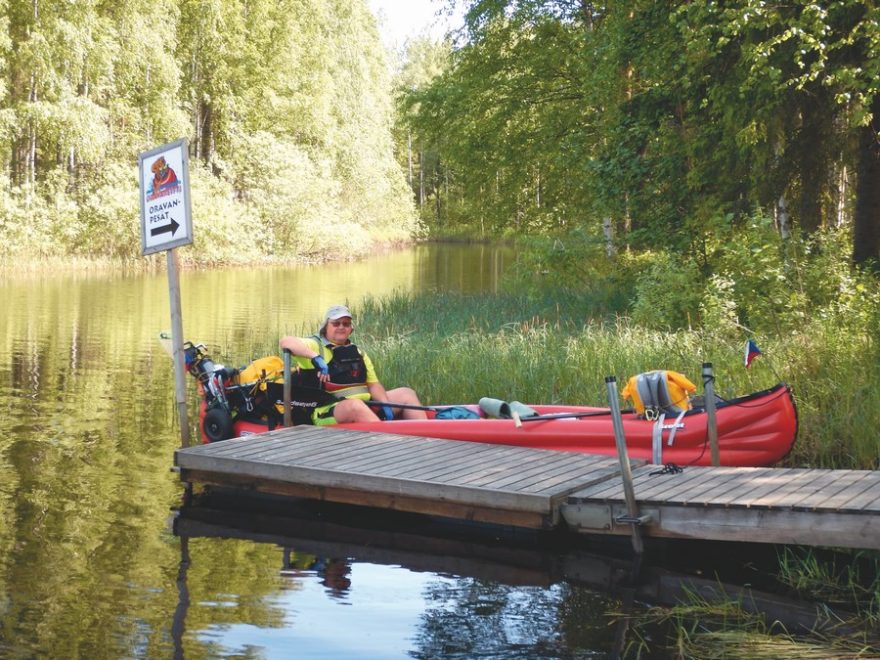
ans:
(12, 266)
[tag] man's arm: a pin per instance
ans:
(301, 348)
(298, 347)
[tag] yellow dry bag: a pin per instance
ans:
(261, 371)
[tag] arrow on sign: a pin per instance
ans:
(166, 229)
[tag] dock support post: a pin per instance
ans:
(709, 395)
(625, 469)
(288, 421)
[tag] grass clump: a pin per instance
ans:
(700, 628)
(851, 580)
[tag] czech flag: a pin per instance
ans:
(752, 351)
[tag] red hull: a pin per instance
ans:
(755, 430)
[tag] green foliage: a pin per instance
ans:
(558, 342)
(509, 97)
(667, 119)
(573, 265)
(667, 293)
(287, 107)
(849, 580)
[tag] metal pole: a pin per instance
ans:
(288, 421)
(625, 470)
(177, 346)
(709, 395)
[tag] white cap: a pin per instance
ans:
(336, 312)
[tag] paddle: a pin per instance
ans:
(533, 418)
(406, 406)
(330, 398)
(548, 416)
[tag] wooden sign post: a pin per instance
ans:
(166, 223)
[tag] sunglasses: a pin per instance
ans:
(344, 324)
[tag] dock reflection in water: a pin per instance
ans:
(482, 589)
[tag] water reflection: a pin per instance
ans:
(451, 589)
(407, 586)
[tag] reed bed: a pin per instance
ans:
(850, 580)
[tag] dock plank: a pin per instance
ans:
(862, 484)
(404, 464)
(474, 462)
(869, 500)
(302, 463)
(763, 486)
(713, 479)
(391, 457)
(515, 470)
(613, 488)
(305, 449)
(794, 480)
(672, 486)
(819, 499)
(567, 472)
(515, 477)
(813, 485)
(651, 480)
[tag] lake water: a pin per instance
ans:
(95, 563)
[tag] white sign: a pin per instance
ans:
(166, 219)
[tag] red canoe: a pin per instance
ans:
(754, 430)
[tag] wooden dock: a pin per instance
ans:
(539, 489)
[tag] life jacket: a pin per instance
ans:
(348, 372)
(659, 392)
(348, 378)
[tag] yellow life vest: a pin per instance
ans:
(659, 391)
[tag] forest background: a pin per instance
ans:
(689, 167)
(652, 126)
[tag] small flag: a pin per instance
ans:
(752, 351)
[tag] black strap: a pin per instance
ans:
(669, 468)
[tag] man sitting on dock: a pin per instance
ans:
(347, 372)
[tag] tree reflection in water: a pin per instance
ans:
(472, 618)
